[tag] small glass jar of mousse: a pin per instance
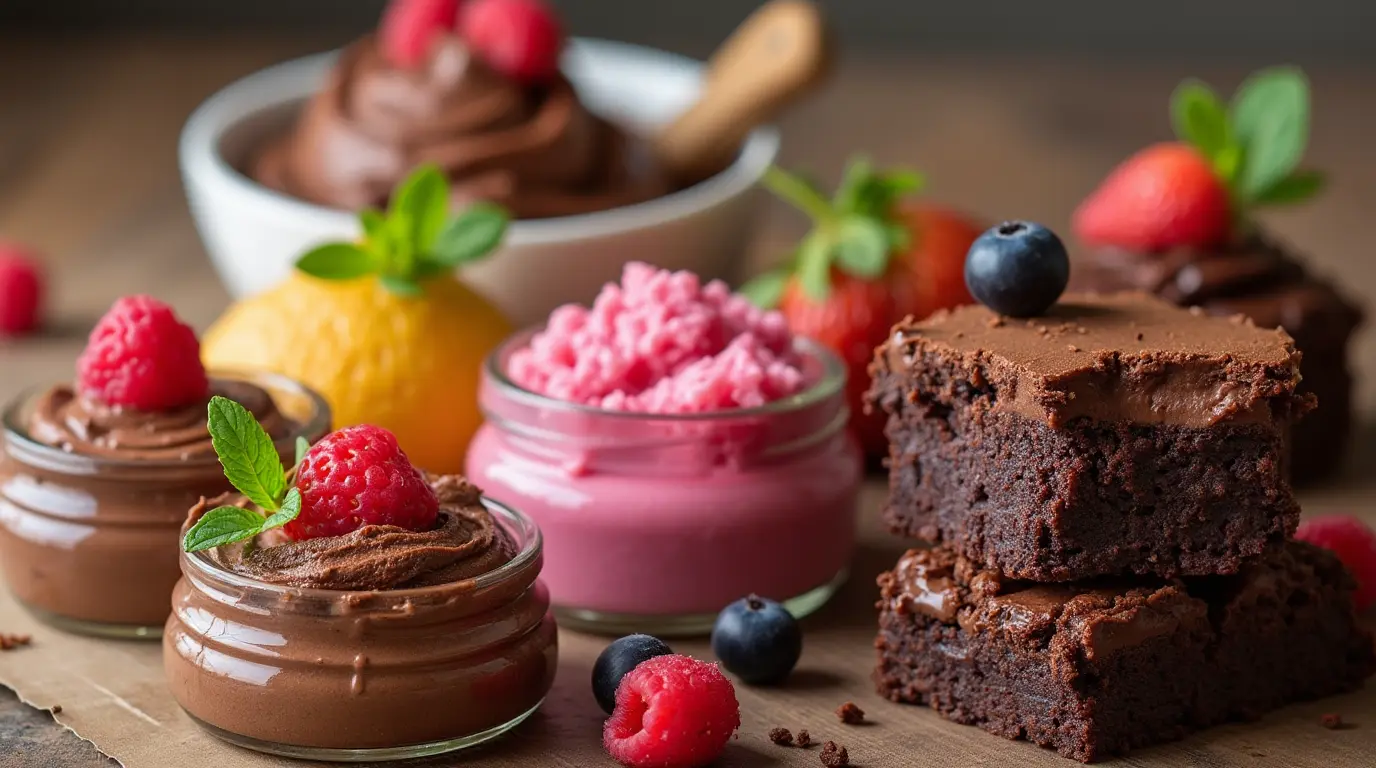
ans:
(92, 499)
(381, 674)
(654, 523)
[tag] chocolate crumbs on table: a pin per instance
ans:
(834, 756)
(850, 714)
(803, 739)
(56, 709)
(781, 736)
(1332, 721)
(12, 641)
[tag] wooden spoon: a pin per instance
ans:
(778, 54)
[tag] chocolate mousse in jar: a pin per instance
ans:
(390, 619)
(679, 448)
(96, 476)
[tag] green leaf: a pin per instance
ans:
(222, 525)
(1270, 116)
(372, 221)
(1295, 188)
(337, 261)
(1200, 118)
(1227, 163)
(302, 446)
(800, 193)
(401, 286)
(246, 452)
(472, 234)
(858, 175)
(862, 247)
(422, 200)
(814, 267)
(766, 290)
(291, 507)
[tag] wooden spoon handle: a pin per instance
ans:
(779, 53)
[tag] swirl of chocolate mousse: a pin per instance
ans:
(66, 419)
(465, 543)
(533, 149)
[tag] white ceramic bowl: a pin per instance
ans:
(254, 234)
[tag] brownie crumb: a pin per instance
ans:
(1080, 329)
(1072, 348)
(803, 739)
(850, 714)
(56, 710)
(1197, 311)
(834, 756)
(995, 322)
(1332, 721)
(780, 736)
(9, 641)
(1141, 336)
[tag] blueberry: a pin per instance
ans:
(616, 660)
(1017, 268)
(757, 640)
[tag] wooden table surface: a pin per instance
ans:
(88, 174)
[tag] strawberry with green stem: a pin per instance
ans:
(871, 259)
(1230, 160)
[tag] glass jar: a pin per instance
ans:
(654, 523)
(90, 544)
(384, 675)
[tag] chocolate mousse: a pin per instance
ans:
(532, 148)
(406, 642)
(1257, 277)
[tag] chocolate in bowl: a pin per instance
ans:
(454, 646)
(91, 506)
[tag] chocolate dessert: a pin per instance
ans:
(532, 148)
(1094, 669)
(1259, 278)
(1114, 434)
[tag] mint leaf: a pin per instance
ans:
(1270, 116)
(337, 261)
(472, 234)
(291, 507)
(766, 290)
(814, 267)
(422, 201)
(1295, 188)
(372, 222)
(302, 446)
(1200, 118)
(862, 247)
(222, 525)
(246, 452)
(401, 286)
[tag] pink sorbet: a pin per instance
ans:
(662, 342)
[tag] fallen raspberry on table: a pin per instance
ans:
(359, 476)
(409, 28)
(519, 38)
(21, 290)
(671, 712)
(1355, 545)
(141, 356)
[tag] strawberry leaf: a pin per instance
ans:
(1270, 116)
(767, 290)
(337, 261)
(862, 247)
(1295, 188)
(1201, 119)
(814, 267)
(800, 193)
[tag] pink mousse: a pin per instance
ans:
(662, 342)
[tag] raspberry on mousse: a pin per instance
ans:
(141, 356)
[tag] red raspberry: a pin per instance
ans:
(671, 712)
(21, 290)
(519, 38)
(1354, 543)
(409, 27)
(141, 356)
(359, 476)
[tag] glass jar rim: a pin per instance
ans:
(531, 547)
(17, 434)
(830, 383)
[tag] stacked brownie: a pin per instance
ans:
(1106, 492)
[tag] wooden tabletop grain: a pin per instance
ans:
(88, 174)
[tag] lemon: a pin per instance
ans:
(409, 363)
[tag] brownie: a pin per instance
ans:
(1118, 434)
(1264, 280)
(1098, 668)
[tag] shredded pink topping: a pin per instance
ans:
(662, 342)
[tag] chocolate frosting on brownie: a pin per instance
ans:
(1125, 357)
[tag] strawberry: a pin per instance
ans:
(409, 28)
(868, 263)
(1230, 160)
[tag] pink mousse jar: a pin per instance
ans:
(655, 522)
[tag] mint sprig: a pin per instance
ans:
(414, 239)
(1256, 142)
(855, 231)
(253, 467)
